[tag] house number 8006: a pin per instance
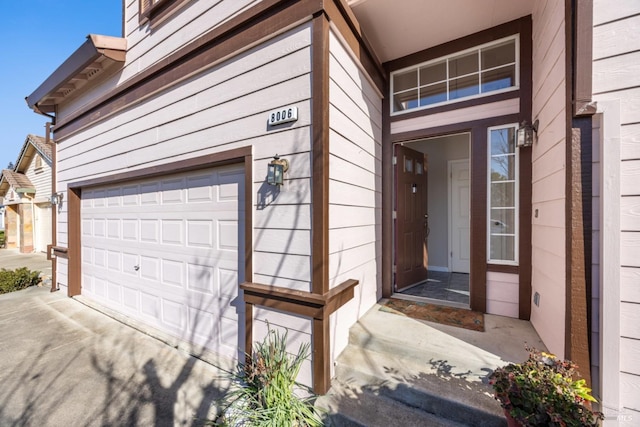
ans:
(283, 115)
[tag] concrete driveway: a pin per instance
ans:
(12, 259)
(63, 363)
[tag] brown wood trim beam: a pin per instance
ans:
(320, 153)
(387, 200)
(255, 24)
(282, 304)
(248, 212)
(454, 128)
(54, 209)
(577, 328)
(499, 268)
(577, 315)
(478, 223)
(57, 252)
(456, 105)
(583, 104)
(299, 302)
(321, 360)
(526, 172)
(318, 307)
(236, 155)
(276, 292)
(158, 11)
(75, 246)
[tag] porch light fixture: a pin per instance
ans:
(56, 198)
(525, 133)
(276, 170)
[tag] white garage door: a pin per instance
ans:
(165, 251)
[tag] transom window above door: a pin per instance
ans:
(480, 71)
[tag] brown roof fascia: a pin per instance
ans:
(96, 46)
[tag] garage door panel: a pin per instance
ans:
(164, 251)
(130, 299)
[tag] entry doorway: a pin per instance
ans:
(447, 216)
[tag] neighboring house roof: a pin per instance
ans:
(16, 178)
(33, 144)
(18, 181)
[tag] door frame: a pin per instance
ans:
(450, 164)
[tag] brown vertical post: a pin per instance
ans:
(579, 108)
(248, 330)
(320, 196)
(478, 232)
(387, 199)
(54, 209)
(75, 253)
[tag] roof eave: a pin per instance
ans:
(97, 47)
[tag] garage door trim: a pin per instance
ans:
(74, 196)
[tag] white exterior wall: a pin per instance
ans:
(218, 109)
(549, 174)
(616, 88)
(40, 178)
(355, 184)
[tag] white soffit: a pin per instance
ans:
(395, 31)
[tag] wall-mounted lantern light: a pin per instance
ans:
(56, 198)
(276, 170)
(525, 133)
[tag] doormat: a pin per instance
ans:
(435, 313)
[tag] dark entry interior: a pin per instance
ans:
(447, 232)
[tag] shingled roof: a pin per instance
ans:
(46, 149)
(18, 181)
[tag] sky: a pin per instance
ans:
(38, 36)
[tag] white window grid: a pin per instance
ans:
(448, 80)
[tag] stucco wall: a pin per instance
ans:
(549, 174)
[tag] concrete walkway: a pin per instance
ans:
(12, 259)
(64, 364)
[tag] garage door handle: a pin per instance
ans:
(136, 267)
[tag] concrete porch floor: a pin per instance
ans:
(401, 371)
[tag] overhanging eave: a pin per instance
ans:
(96, 54)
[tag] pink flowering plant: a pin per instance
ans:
(543, 391)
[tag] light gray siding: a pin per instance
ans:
(218, 109)
(616, 81)
(549, 174)
(355, 197)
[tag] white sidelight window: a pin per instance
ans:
(502, 196)
(480, 71)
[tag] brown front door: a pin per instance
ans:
(411, 217)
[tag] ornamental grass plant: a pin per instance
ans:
(264, 390)
(544, 391)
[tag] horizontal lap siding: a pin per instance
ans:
(217, 110)
(549, 174)
(355, 197)
(41, 180)
(149, 44)
(297, 328)
(616, 77)
(502, 294)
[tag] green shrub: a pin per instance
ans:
(20, 278)
(263, 391)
